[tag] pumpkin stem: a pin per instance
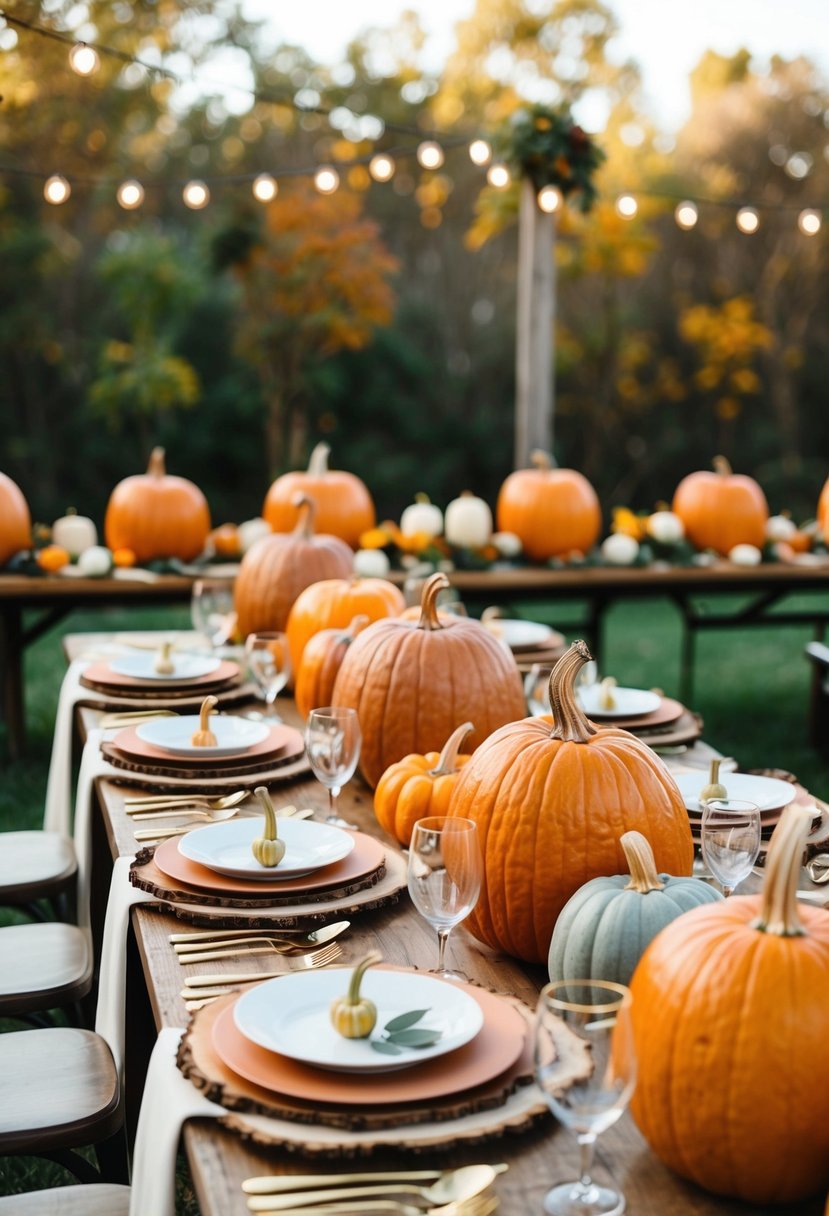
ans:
(722, 466)
(571, 724)
(207, 707)
(155, 465)
(269, 832)
(641, 863)
(778, 909)
(356, 625)
(353, 994)
(540, 459)
(421, 497)
(448, 760)
(307, 507)
(318, 460)
(432, 588)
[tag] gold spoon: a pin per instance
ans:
(200, 802)
(274, 1184)
(456, 1187)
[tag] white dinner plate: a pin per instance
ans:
(519, 635)
(291, 1016)
(630, 702)
(767, 793)
(175, 735)
(226, 848)
(185, 666)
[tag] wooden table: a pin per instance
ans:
(220, 1160)
(763, 588)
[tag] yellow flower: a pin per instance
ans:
(626, 522)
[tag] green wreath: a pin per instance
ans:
(544, 144)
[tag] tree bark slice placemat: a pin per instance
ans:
(279, 772)
(234, 694)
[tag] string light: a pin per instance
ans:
(627, 206)
(686, 214)
(130, 194)
(84, 59)
(748, 221)
(550, 199)
(430, 154)
(56, 190)
(196, 195)
(326, 179)
(265, 188)
(381, 167)
(498, 175)
(809, 222)
(480, 153)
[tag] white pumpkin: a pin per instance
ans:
(74, 533)
(619, 549)
(468, 522)
(507, 543)
(95, 562)
(745, 555)
(371, 563)
(422, 517)
(251, 531)
(665, 527)
(780, 527)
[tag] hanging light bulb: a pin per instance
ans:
(550, 199)
(381, 167)
(627, 206)
(748, 220)
(430, 154)
(498, 175)
(480, 153)
(196, 195)
(84, 59)
(686, 215)
(809, 222)
(265, 188)
(326, 179)
(56, 190)
(130, 194)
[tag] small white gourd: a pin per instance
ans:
(780, 527)
(251, 531)
(468, 522)
(619, 549)
(745, 555)
(74, 533)
(665, 528)
(507, 543)
(371, 563)
(95, 562)
(422, 518)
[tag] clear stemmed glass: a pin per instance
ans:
(445, 870)
(730, 840)
(269, 660)
(332, 744)
(598, 1013)
(211, 609)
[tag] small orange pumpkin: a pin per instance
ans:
(333, 602)
(157, 515)
(225, 541)
(277, 568)
(15, 521)
(730, 1013)
(721, 509)
(123, 559)
(418, 786)
(321, 660)
(552, 511)
(52, 558)
(344, 505)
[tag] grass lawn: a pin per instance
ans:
(751, 688)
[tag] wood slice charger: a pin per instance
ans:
(283, 746)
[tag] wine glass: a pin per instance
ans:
(269, 660)
(332, 744)
(211, 610)
(445, 870)
(597, 1012)
(730, 840)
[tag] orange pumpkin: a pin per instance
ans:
(333, 603)
(730, 1017)
(157, 515)
(276, 568)
(225, 541)
(123, 558)
(344, 505)
(553, 511)
(52, 558)
(411, 681)
(321, 660)
(721, 509)
(552, 800)
(823, 510)
(418, 786)
(15, 521)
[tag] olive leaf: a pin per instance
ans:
(401, 1032)
(387, 1048)
(415, 1038)
(404, 1020)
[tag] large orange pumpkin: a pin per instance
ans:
(276, 568)
(553, 511)
(417, 787)
(730, 1009)
(15, 521)
(721, 509)
(344, 505)
(552, 799)
(411, 682)
(334, 602)
(320, 663)
(157, 515)
(823, 510)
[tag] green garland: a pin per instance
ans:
(544, 144)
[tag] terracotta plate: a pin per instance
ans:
(102, 675)
(281, 741)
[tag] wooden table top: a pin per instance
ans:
(219, 1160)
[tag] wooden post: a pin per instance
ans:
(534, 387)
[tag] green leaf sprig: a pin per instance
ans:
(402, 1032)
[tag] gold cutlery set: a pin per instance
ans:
(196, 808)
(459, 1192)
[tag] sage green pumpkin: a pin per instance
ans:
(603, 929)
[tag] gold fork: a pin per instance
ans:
(480, 1205)
(299, 962)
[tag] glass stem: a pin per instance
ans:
(333, 793)
(586, 1145)
(443, 938)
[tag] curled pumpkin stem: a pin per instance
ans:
(641, 863)
(307, 507)
(448, 760)
(433, 586)
(778, 910)
(571, 724)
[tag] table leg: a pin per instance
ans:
(11, 676)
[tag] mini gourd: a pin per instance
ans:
(204, 737)
(354, 1016)
(267, 849)
(715, 789)
(606, 697)
(164, 665)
